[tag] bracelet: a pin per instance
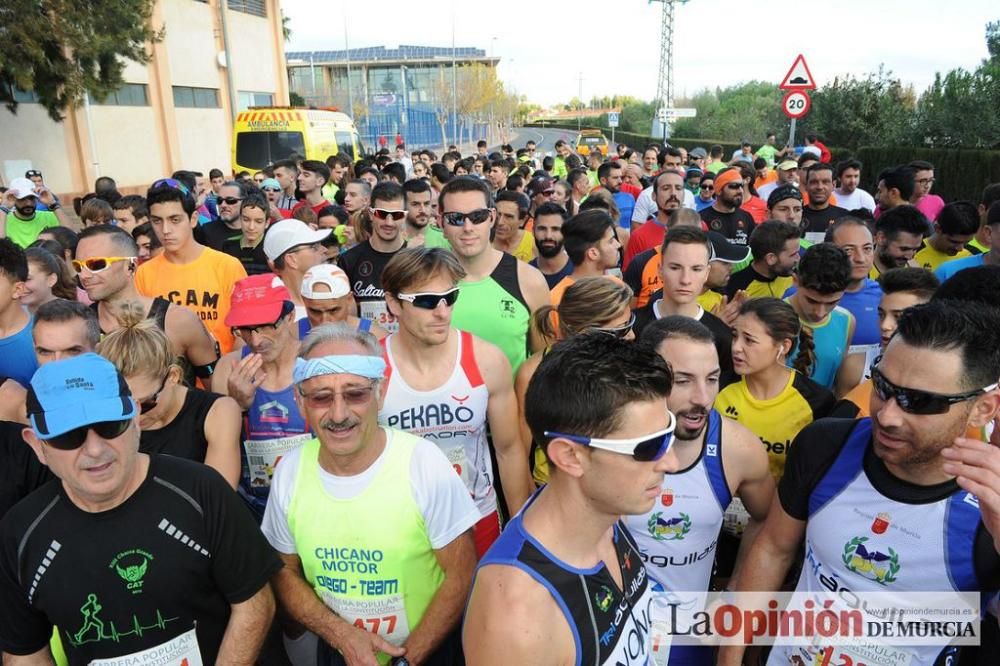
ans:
(5, 210)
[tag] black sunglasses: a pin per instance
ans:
(232, 201)
(621, 331)
(475, 216)
(150, 403)
(430, 300)
(74, 439)
(915, 401)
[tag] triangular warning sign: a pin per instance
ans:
(799, 77)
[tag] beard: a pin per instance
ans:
(25, 211)
(548, 251)
(688, 435)
(418, 222)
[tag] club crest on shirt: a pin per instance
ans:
(869, 562)
(668, 529)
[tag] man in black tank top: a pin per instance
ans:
(110, 283)
(565, 577)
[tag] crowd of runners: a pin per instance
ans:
(487, 408)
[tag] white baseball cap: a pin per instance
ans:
(332, 276)
(284, 235)
(22, 188)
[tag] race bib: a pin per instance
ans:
(384, 615)
(378, 312)
(181, 651)
(815, 237)
(862, 655)
(264, 454)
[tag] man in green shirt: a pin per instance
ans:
(769, 151)
(20, 220)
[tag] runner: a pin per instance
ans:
(259, 378)
(293, 247)
(849, 193)
(902, 288)
(180, 571)
(552, 259)
(248, 244)
(110, 284)
(419, 218)
(899, 234)
(956, 225)
(823, 273)
(64, 329)
(668, 194)
(566, 576)
(16, 360)
(885, 489)
(990, 257)
(499, 293)
(592, 303)
(511, 236)
(643, 272)
(187, 273)
(447, 385)
(820, 212)
(368, 580)
(775, 249)
(20, 215)
(725, 214)
(365, 262)
(718, 460)
(328, 299)
(593, 248)
(773, 400)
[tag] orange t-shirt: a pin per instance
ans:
(204, 286)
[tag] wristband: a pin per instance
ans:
(55, 206)
(5, 210)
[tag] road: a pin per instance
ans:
(545, 139)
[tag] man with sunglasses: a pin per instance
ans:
(125, 540)
(446, 385)
(259, 377)
(566, 579)
(720, 461)
(365, 262)
(187, 273)
(227, 225)
(372, 523)
(904, 485)
(499, 292)
(105, 266)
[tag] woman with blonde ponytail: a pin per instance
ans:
(175, 420)
(589, 304)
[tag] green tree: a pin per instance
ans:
(63, 49)
(296, 99)
(748, 110)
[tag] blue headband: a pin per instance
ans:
(372, 367)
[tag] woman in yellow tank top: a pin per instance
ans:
(589, 304)
(775, 402)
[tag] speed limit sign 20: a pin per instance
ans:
(795, 104)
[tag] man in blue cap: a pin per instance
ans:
(128, 554)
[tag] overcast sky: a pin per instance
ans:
(717, 42)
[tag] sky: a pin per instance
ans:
(544, 48)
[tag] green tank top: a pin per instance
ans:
(368, 558)
(495, 310)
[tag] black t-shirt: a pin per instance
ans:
(364, 265)
(723, 335)
(253, 258)
(171, 558)
(20, 470)
(735, 226)
(818, 221)
(813, 453)
(215, 233)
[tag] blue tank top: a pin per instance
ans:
(17, 355)
(272, 428)
(831, 343)
(609, 626)
(863, 304)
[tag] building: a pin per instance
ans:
(409, 91)
(174, 113)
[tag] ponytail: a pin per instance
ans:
(806, 358)
(542, 321)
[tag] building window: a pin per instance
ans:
(255, 7)
(130, 94)
(246, 99)
(23, 96)
(196, 98)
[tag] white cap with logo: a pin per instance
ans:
(332, 276)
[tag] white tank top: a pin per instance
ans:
(453, 416)
(867, 542)
(678, 537)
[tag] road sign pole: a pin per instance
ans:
(791, 135)
(612, 135)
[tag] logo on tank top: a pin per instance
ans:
(668, 529)
(667, 498)
(603, 598)
(507, 310)
(365, 269)
(881, 523)
(866, 560)
(715, 225)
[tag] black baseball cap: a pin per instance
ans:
(726, 252)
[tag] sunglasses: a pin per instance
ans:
(385, 214)
(97, 264)
(458, 219)
(915, 401)
(621, 331)
(231, 201)
(74, 439)
(173, 184)
(430, 300)
(354, 397)
(150, 403)
(643, 449)
(38, 174)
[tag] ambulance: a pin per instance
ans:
(263, 135)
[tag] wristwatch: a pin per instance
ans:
(55, 206)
